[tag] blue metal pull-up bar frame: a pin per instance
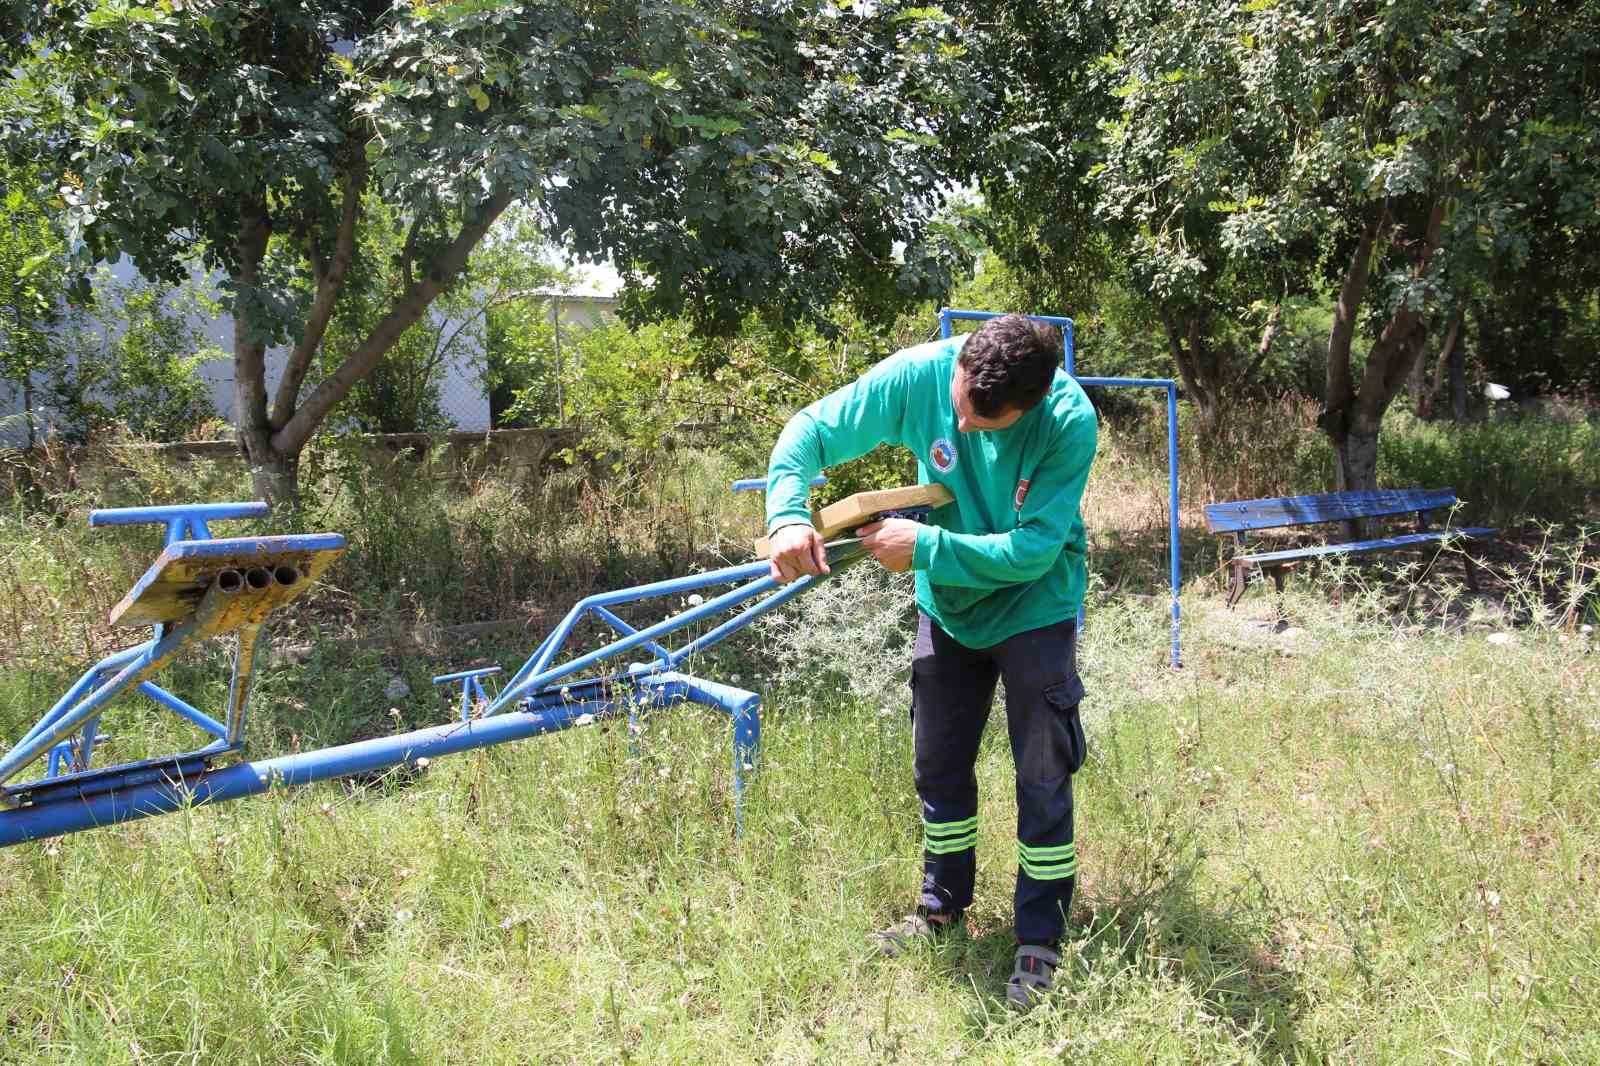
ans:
(948, 316)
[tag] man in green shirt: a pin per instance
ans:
(1000, 575)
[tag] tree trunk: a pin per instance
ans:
(1188, 354)
(272, 443)
(1355, 412)
(1425, 394)
(276, 479)
(27, 408)
(1458, 383)
(1417, 386)
(1355, 457)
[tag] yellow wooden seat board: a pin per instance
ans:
(171, 589)
(863, 507)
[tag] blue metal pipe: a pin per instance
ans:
(740, 620)
(183, 521)
(86, 741)
(840, 555)
(90, 677)
(558, 636)
(205, 512)
(148, 798)
(949, 313)
(151, 657)
(462, 675)
(69, 721)
(1149, 383)
(759, 484)
(1172, 506)
(552, 643)
(626, 630)
(1069, 353)
(644, 636)
(194, 714)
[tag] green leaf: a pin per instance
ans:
(31, 264)
(899, 134)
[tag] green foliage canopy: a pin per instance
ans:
(724, 156)
(1399, 156)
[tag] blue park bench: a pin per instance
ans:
(1242, 516)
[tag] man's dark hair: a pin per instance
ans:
(1008, 363)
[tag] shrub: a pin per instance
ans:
(133, 359)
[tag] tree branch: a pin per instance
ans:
(249, 349)
(1452, 334)
(1402, 338)
(1341, 386)
(330, 283)
(1265, 347)
(407, 308)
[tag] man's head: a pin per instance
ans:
(1004, 369)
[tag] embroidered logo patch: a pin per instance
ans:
(1022, 492)
(942, 455)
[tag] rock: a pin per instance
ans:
(1500, 638)
(396, 689)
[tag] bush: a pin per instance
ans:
(1507, 470)
(133, 359)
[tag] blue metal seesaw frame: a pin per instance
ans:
(541, 697)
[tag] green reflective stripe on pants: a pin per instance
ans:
(1048, 863)
(947, 847)
(946, 838)
(1051, 871)
(944, 829)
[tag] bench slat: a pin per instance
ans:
(1271, 513)
(1364, 545)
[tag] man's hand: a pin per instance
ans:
(892, 541)
(795, 551)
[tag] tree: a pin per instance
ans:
(1409, 151)
(32, 291)
(724, 155)
(402, 393)
(1394, 155)
(1086, 199)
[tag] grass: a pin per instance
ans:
(1368, 838)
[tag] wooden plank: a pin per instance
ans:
(172, 587)
(1280, 511)
(863, 507)
(1405, 540)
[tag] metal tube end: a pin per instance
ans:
(230, 581)
(259, 578)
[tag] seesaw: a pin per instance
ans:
(201, 587)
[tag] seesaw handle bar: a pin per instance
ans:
(183, 521)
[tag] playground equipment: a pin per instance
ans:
(948, 316)
(202, 587)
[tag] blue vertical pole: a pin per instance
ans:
(1172, 510)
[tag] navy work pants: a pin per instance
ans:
(952, 688)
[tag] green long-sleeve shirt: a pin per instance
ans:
(1008, 554)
